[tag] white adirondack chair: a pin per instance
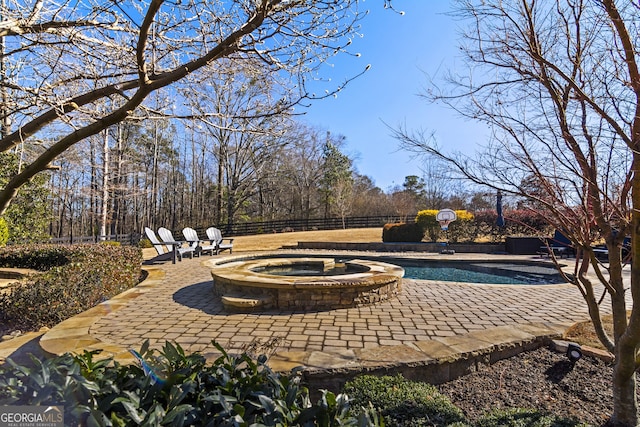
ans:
(175, 245)
(191, 236)
(216, 236)
(157, 244)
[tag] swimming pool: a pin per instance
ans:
(500, 273)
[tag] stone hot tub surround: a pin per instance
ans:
(249, 284)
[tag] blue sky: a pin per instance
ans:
(402, 51)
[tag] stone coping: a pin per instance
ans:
(16, 272)
(244, 273)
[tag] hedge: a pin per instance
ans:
(402, 232)
(461, 230)
(73, 279)
(4, 232)
(470, 226)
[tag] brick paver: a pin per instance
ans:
(184, 309)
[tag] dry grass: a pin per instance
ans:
(584, 334)
(274, 241)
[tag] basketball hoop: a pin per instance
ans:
(445, 217)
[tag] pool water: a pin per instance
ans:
(301, 269)
(485, 272)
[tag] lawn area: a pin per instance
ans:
(274, 241)
(279, 240)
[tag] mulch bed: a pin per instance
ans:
(541, 379)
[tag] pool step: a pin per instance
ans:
(245, 302)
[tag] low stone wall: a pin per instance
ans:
(435, 361)
(405, 247)
(316, 298)
(243, 286)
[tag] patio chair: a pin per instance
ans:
(157, 244)
(216, 236)
(191, 236)
(602, 252)
(559, 245)
(175, 245)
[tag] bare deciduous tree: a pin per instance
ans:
(559, 83)
(241, 117)
(72, 69)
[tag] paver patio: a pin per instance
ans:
(177, 304)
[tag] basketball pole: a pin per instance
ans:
(444, 218)
(444, 225)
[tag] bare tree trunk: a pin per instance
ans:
(153, 208)
(625, 405)
(627, 333)
(93, 186)
(119, 181)
(63, 206)
(5, 124)
(220, 193)
(104, 207)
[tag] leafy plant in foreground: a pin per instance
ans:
(170, 387)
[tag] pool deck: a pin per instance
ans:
(428, 323)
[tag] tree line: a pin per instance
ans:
(174, 174)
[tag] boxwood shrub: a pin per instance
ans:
(520, 417)
(402, 232)
(402, 402)
(74, 278)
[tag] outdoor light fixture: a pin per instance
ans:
(574, 352)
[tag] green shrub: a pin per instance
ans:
(74, 279)
(36, 257)
(402, 232)
(426, 219)
(4, 232)
(518, 222)
(29, 213)
(145, 243)
(518, 417)
(402, 402)
(172, 388)
(463, 229)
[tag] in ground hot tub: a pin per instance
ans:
(299, 283)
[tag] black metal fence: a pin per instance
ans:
(258, 227)
(280, 226)
(125, 239)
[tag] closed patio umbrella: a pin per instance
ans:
(500, 219)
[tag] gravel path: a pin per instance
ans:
(540, 379)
